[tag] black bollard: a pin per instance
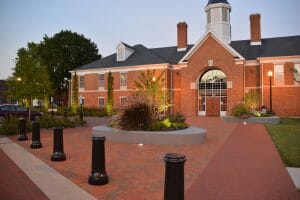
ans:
(22, 130)
(58, 145)
(174, 176)
(36, 138)
(98, 174)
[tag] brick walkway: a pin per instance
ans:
(235, 162)
(134, 172)
(246, 167)
(14, 184)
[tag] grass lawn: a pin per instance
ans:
(286, 137)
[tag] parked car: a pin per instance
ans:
(7, 110)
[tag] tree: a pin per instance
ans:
(64, 52)
(30, 78)
(152, 89)
(75, 92)
(110, 95)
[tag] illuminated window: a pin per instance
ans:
(213, 84)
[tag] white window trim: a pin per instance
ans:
(121, 97)
(279, 69)
(297, 71)
(103, 102)
(101, 88)
(123, 87)
(81, 88)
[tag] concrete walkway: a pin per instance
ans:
(246, 167)
(49, 181)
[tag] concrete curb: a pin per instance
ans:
(189, 136)
(256, 120)
(48, 180)
(295, 175)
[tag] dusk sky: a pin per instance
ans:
(151, 23)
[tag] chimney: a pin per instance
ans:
(182, 36)
(255, 29)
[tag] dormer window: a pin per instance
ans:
(123, 52)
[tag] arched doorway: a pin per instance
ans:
(212, 93)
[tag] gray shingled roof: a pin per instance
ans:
(217, 1)
(281, 46)
(141, 56)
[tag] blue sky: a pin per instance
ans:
(152, 23)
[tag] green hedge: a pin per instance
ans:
(11, 126)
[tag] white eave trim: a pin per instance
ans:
(203, 39)
(279, 59)
(121, 69)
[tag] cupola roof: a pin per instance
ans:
(217, 1)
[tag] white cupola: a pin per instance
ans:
(218, 19)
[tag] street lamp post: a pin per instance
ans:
(19, 79)
(270, 74)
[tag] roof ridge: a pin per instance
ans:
(153, 52)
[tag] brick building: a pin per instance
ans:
(209, 77)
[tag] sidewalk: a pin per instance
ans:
(236, 162)
(246, 167)
(14, 184)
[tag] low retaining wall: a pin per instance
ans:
(188, 136)
(258, 120)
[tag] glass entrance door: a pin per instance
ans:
(212, 98)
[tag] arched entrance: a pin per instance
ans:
(212, 93)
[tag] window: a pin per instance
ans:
(101, 102)
(101, 80)
(123, 79)
(297, 72)
(123, 101)
(278, 75)
(224, 15)
(81, 81)
(208, 17)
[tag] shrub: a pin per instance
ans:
(10, 126)
(136, 116)
(174, 122)
(252, 99)
(177, 118)
(179, 125)
(240, 110)
(93, 112)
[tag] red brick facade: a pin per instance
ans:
(255, 28)
(183, 81)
